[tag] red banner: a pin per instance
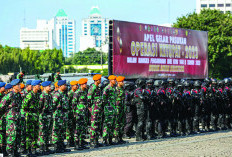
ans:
(151, 51)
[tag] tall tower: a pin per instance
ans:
(95, 31)
(65, 33)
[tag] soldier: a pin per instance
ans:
(23, 120)
(57, 77)
(31, 107)
(20, 76)
(10, 106)
(206, 111)
(95, 105)
(162, 103)
(130, 109)
(79, 106)
(141, 100)
(8, 88)
(214, 100)
(109, 102)
(2, 122)
(60, 108)
(150, 109)
(196, 97)
(187, 98)
(172, 108)
(120, 110)
(71, 120)
(45, 108)
(228, 105)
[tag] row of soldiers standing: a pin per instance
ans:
(173, 107)
(33, 118)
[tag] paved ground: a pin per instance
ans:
(208, 144)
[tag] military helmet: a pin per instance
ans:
(186, 83)
(129, 85)
(214, 81)
(227, 80)
(157, 83)
(140, 82)
(197, 83)
(150, 81)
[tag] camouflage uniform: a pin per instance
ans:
(60, 108)
(109, 102)
(10, 105)
(45, 107)
(71, 120)
(120, 112)
(94, 101)
(31, 107)
(2, 127)
(79, 106)
(23, 121)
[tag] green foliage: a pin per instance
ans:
(31, 61)
(89, 56)
(219, 27)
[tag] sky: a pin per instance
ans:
(15, 14)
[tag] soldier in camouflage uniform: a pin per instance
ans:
(71, 120)
(57, 77)
(79, 106)
(120, 110)
(10, 106)
(31, 108)
(95, 103)
(2, 122)
(45, 108)
(109, 102)
(23, 114)
(60, 108)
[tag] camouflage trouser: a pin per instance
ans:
(95, 122)
(109, 121)
(44, 122)
(3, 131)
(119, 123)
(12, 134)
(58, 130)
(70, 127)
(80, 126)
(23, 131)
(32, 129)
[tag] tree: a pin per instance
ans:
(219, 27)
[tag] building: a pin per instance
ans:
(65, 33)
(222, 5)
(59, 32)
(95, 31)
(36, 39)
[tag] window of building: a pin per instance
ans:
(70, 29)
(69, 25)
(91, 21)
(220, 5)
(222, 12)
(69, 22)
(70, 38)
(70, 35)
(211, 5)
(204, 5)
(85, 24)
(85, 27)
(228, 5)
(85, 33)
